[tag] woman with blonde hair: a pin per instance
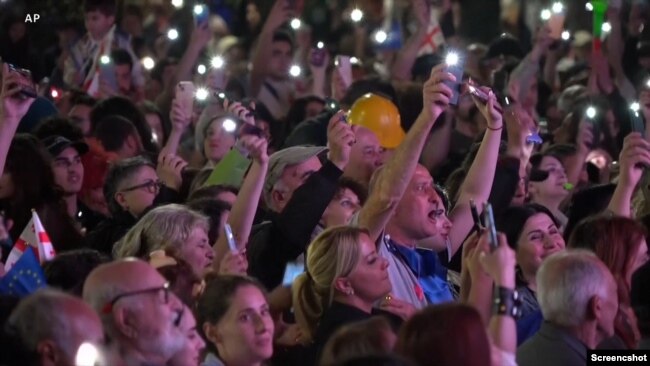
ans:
(171, 227)
(345, 277)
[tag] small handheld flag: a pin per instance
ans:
(35, 236)
(25, 277)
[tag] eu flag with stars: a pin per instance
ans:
(25, 277)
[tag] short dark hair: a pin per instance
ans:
(78, 96)
(214, 210)
(121, 57)
(117, 173)
(58, 126)
(212, 191)
(68, 270)
(512, 221)
(283, 36)
(124, 107)
(113, 131)
(106, 7)
(357, 188)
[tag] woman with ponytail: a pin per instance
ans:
(345, 277)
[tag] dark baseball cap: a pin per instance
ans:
(505, 45)
(56, 144)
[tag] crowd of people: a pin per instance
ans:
(303, 182)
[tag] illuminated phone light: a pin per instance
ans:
(221, 95)
(148, 63)
(229, 125)
(295, 71)
(381, 36)
(201, 69)
(177, 3)
(557, 7)
(198, 9)
(635, 106)
(105, 59)
(606, 27)
(591, 112)
(201, 94)
(566, 35)
(87, 355)
(320, 45)
(354, 61)
(154, 135)
(356, 15)
(54, 93)
(217, 62)
(589, 7)
(647, 84)
(452, 59)
(295, 23)
(545, 14)
(172, 34)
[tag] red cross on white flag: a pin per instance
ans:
(434, 39)
(34, 235)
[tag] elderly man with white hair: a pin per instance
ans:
(138, 311)
(577, 296)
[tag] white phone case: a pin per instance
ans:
(345, 69)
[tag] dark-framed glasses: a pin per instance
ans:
(108, 308)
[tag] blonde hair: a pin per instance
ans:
(165, 227)
(333, 254)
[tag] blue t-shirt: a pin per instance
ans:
(431, 274)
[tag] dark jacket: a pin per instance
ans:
(285, 237)
(114, 228)
(552, 346)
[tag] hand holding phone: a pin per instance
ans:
(27, 86)
(230, 237)
(488, 218)
(344, 68)
(291, 271)
(185, 96)
(455, 67)
(201, 14)
(475, 216)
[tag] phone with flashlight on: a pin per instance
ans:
(488, 219)
(455, 66)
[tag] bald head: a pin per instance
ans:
(111, 279)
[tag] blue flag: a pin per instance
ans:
(25, 277)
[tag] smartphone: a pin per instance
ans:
(232, 244)
(636, 120)
(500, 85)
(455, 66)
(556, 24)
(291, 271)
(475, 216)
(488, 218)
(591, 116)
(28, 88)
(201, 14)
(185, 95)
(344, 66)
(107, 72)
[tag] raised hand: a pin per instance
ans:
(499, 263)
(179, 117)
(13, 106)
(280, 13)
(633, 157)
(234, 263)
(340, 138)
(169, 170)
(256, 147)
(490, 110)
(238, 109)
(435, 94)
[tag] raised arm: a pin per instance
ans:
(615, 48)
(280, 13)
(401, 69)
(392, 179)
(525, 73)
(635, 154)
(478, 182)
(12, 109)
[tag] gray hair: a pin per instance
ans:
(165, 227)
(41, 316)
(566, 282)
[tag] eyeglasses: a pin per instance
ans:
(108, 308)
(152, 186)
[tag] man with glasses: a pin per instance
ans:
(132, 187)
(68, 175)
(138, 311)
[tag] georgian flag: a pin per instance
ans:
(33, 235)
